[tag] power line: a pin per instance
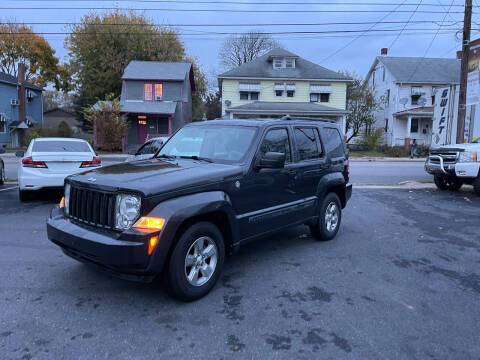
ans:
(228, 10)
(408, 21)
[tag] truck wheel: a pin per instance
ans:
(196, 262)
(476, 185)
(329, 220)
(447, 183)
(23, 195)
(2, 175)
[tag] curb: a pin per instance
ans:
(368, 159)
(406, 185)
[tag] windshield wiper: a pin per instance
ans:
(195, 157)
(165, 156)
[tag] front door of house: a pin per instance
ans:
(141, 131)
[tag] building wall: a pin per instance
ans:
(230, 91)
(52, 119)
(34, 108)
(7, 93)
(172, 90)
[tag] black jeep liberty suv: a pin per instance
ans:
(212, 187)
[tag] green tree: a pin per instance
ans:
(101, 46)
(19, 44)
(361, 107)
(213, 106)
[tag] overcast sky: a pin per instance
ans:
(337, 51)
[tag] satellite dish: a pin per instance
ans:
(403, 101)
(422, 101)
(228, 102)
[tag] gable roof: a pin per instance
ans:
(10, 79)
(156, 70)
(284, 107)
(420, 70)
(261, 67)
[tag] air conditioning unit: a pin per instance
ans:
(14, 102)
(158, 98)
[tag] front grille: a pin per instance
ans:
(448, 158)
(92, 207)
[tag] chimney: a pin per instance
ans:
(21, 93)
(384, 51)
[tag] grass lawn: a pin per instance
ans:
(365, 153)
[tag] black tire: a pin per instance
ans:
(476, 186)
(176, 274)
(320, 230)
(24, 195)
(449, 183)
(2, 175)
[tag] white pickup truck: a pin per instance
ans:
(455, 165)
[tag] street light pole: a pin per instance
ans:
(467, 25)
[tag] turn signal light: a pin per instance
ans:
(28, 162)
(61, 204)
(152, 243)
(149, 222)
(95, 162)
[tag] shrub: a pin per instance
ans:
(423, 150)
(63, 130)
(396, 151)
(372, 140)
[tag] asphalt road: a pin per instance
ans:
(400, 281)
(378, 173)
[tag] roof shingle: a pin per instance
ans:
(156, 70)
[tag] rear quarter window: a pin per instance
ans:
(60, 146)
(333, 142)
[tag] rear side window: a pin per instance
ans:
(333, 142)
(307, 141)
(60, 146)
(276, 140)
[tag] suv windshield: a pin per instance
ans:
(217, 143)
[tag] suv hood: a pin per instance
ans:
(456, 147)
(154, 176)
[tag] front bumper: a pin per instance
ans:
(124, 255)
(461, 170)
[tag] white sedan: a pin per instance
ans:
(48, 161)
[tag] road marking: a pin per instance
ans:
(9, 188)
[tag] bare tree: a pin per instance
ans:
(239, 49)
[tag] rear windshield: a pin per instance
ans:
(60, 146)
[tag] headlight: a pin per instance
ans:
(468, 156)
(67, 199)
(127, 210)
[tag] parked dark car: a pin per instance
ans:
(2, 168)
(213, 186)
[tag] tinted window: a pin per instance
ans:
(333, 142)
(307, 143)
(146, 148)
(276, 140)
(60, 146)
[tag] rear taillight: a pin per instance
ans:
(28, 162)
(95, 162)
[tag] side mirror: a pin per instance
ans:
(20, 153)
(272, 160)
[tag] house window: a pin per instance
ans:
(158, 91)
(433, 100)
(324, 97)
(290, 93)
(249, 95)
(387, 100)
(415, 99)
(3, 127)
(289, 63)
(277, 63)
(386, 125)
(279, 93)
(414, 126)
(148, 92)
(314, 97)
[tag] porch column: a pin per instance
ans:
(407, 138)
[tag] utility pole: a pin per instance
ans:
(467, 25)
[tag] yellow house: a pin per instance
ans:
(281, 83)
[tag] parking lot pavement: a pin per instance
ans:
(400, 281)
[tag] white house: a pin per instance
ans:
(406, 87)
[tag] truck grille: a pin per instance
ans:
(448, 157)
(92, 207)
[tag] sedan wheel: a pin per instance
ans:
(201, 261)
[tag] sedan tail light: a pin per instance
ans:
(28, 162)
(95, 162)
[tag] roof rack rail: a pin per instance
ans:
(288, 117)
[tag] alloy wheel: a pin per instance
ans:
(201, 261)
(331, 216)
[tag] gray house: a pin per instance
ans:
(157, 98)
(21, 107)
